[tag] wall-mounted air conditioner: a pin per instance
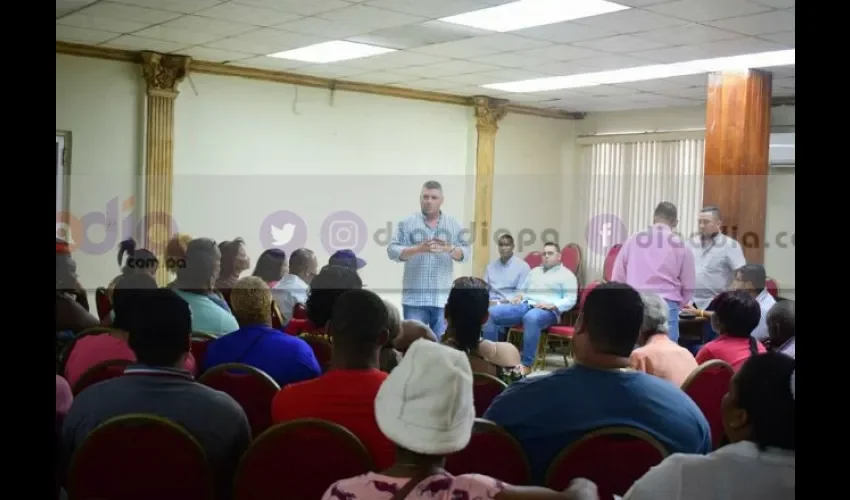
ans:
(781, 150)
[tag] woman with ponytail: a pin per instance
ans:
(736, 315)
(138, 261)
(466, 312)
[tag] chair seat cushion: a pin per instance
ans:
(561, 331)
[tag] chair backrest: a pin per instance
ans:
(706, 386)
(534, 259)
(772, 287)
(100, 372)
(586, 291)
(322, 349)
(297, 326)
(68, 346)
(608, 269)
(200, 342)
(492, 452)
(102, 302)
(299, 311)
(140, 457)
(277, 317)
(571, 258)
(612, 457)
(251, 387)
(485, 388)
(302, 456)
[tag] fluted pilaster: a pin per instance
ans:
(488, 112)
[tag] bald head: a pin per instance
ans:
(781, 322)
(412, 330)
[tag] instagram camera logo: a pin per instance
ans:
(75, 230)
(344, 230)
(603, 232)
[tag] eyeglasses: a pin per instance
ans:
(548, 254)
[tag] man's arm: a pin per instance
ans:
(461, 251)
(400, 248)
(688, 277)
(569, 291)
(736, 258)
(619, 271)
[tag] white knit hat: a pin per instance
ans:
(425, 405)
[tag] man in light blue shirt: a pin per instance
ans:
(549, 291)
(428, 243)
(292, 288)
(507, 273)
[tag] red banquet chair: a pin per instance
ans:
(612, 457)
(706, 386)
(772, 287)
(140, 457)
(608, 268)
(322, 349)
(251, 387)
(102, 302)
(200, 342)
(485, 388)
(534, 259)
(492, 452)
(299, 460)
(100, 372)
(299, 311)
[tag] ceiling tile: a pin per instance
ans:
(270, 63)
(630, 21)
(177, 35)
(786, 38)
(496, 76)
(702, 10)
(82, 35)
(329, 70)
(447, 68)
(131, 13)
(481, 45)
(746, 45)
(246, 14)
(371, 17)
(759, 24)
(417, 35)
(394, 60)
(778, 4)
(429, 84)
(663, 84)
(561, 68)
(430, 8)
(300, 7)
(508, 60)
(640, 3)
(672, 54)
(620, 43)
(215, 55)
(133, 42)
(101, 23)
(322, 27)
(65, 7)
(182, 6)
(686, 93)
(612, 62)
(200, 24)
(382, 78)
(688, 34)
(265, 41)
(566, 32)
(560, 53)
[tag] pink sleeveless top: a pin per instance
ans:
(373, 486)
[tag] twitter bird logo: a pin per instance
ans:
(283, 230)
(282, 235)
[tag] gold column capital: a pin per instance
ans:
(164, 72)
(488, 112)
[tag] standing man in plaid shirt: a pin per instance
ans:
(429, 243)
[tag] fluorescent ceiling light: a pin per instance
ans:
(652, 72)
(327, 52)
(528, 13)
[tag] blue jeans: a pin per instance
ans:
(533, 322)
(431, 316)
(673, 321)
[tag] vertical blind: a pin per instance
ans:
(627, 180)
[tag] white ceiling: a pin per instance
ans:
(448, 58)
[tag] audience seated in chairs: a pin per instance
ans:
(271, 266)
(390, 357)
(781, 327)
(89, 350)
(657, 354)
(411, 331)
(285, 358)
(466, 312)
(293, 287)
(425, 407)
(195, 284)
(752, 278)
(72, 309)
(159, 385)
(346, 394)
(736, 314)
(759, 418)
(605, 334)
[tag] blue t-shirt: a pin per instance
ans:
(207, 315)
(548, 413)
(285, 358)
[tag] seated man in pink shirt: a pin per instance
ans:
(657, 354)
(658, 261)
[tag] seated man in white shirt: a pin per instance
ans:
(293, 288)
(549, 291)
(753, 278)
(781, 326)
(507, 273)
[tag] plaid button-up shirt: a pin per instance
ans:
(427, 276)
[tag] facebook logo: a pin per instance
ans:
(603, 231)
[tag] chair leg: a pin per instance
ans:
(514, 337)
(540, 356)
(566, 351)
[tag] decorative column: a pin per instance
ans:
(737, 144)
(488, 112)
(162, 73)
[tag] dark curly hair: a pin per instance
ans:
(326, 287)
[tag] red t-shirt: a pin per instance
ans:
(733, 350)
(345, 397)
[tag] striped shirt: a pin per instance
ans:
(427, 276)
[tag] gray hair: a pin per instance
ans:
(656, 314)
(394, 320)
(202, 254)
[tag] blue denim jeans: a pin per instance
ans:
(673, 321)
(434, 317)
(533, 322)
